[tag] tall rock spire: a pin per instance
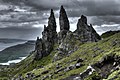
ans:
(52, 21)
(49, 36)
(63, 20)
(49, 33)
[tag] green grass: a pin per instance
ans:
(91, 53)
(86, 52)
(109, 33)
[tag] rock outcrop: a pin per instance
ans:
(63, 20)
(107, 64)
(65, 39)
(38, 49)
(64, 25)
(49, 36)
(85, 32)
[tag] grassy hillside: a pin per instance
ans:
(101, 56)
(14, 52)
(91, 53)
(109, 33)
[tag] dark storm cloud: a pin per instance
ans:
(99, 12)
(48, 4)
(75, 8)
(110, 19)
(97, 7)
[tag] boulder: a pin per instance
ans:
(79, 60)
(78, 65)
(45, 72)
(87, 72)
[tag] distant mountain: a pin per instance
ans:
(109, 33)
(5, 40)
(14, 52)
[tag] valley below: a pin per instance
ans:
(13, 51)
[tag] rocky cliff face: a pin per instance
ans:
(64, 25)
(45, 45)
(49, 34)
(85, 32)
(65, 38)
(63, 20)
(38, 49)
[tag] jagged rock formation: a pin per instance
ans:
(85, 32)
(38, 49)
(45, 45)
(65, 39)
(49, 34)
(66, 47)
(63, 20)
(64, 25)
(64, 36)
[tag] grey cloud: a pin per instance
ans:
(99, 12)
(92, 8)
(110, 19)
(101, 29)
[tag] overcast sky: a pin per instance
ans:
(24, 19)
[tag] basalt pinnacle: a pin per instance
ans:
(49, 36)
(49, 33)
(86, 32)
(83, 33)
(63, 20)
(52, 22)
(64, 25)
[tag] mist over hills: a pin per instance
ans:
(16, 51)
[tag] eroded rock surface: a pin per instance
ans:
(65, 39)
(85, 32)
(49, 36)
